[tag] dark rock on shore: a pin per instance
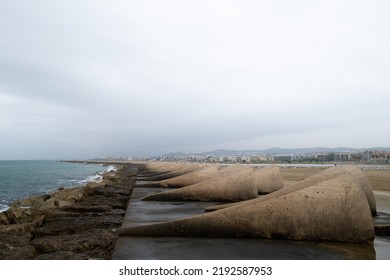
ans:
(77, 223)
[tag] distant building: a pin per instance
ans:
(283, 157)
(246, 159)
(141, 158)
(232, 158)
(366, 156)
(342, 157)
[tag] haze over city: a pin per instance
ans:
(83, 79)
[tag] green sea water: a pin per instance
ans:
(19, 179)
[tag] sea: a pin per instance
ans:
(23, 178)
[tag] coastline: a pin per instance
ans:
(81, 222)
(25, 178)
(70, 223)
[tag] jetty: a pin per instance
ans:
(209, 211)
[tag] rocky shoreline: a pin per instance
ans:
(76, 223)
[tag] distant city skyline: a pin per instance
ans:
(84, 79)
(379, 155)
(271, 151)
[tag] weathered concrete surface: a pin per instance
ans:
(194, 177)
(327, 174)
(156, 167)
(318, 212)
(202, 174)
(156, 247)
(239, 185)
(268, 179)
(235, 187)
(141, 212)
(181, 170)
(211, 172)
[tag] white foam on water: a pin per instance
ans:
(98, 177)
(94, 178)
(111, 168)
(3, 208)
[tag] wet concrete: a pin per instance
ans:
(382, 220)
(382, 201)
(382, 247)
(382, 224)
(141, 212)
(166, 248)
(174, 248)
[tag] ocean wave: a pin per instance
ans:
(3, 208)
(98, 177)
(94, 178)
(111, 168)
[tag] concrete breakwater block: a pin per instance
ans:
(177, 171)
(241, 185)
(327, 174)
(159, 167)
(210, 172)
(230, 188)
(333, 210)
(191, 178)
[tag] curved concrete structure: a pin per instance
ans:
(268, 179)
(367, 189)
(333, 210)
(181, 170)
(209, 172)
(319, 177)
(153, 169)
(236, 187)
(190, 178)
(242, 185)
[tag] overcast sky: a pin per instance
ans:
(83, 79)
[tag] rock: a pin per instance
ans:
(63, 255)
(84, 209)
(98, 243)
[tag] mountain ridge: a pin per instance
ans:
(276, 150)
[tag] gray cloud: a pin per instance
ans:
(94, 78)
